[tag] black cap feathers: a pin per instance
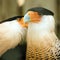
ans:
(41, 11)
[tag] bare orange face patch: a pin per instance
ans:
(21, 22)
(34, 16)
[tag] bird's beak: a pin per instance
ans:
(32, 17)
(26, 18)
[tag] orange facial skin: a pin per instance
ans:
(22, 23)
(34, 16)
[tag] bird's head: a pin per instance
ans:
(31, 16)
(36, 14)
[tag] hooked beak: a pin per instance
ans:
(32, 17)
(26, 18)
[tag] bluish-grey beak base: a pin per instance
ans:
(26, 18)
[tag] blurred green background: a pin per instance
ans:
(10, 8)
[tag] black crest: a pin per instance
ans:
(41, 11)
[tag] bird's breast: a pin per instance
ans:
(38, 45)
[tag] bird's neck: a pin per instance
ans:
(39, 41)
(40, 36)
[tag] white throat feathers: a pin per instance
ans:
(41, 36)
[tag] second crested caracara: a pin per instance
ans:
(12, 34)
(42, 42)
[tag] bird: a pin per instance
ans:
(12, 34)
(42, 41)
